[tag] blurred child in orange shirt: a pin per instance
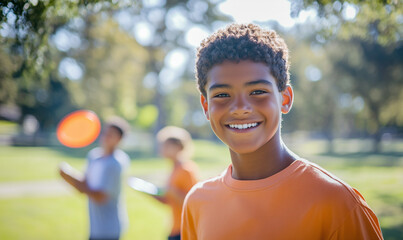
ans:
(176, 145)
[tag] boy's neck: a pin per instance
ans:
(268, 160)
(108, 151)
(177, 161)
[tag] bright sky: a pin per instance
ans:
(246, 11)
(277, 10)
(259, 10)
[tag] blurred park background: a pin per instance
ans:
(135, 59)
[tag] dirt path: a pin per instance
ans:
(55, 187)
(34, 189)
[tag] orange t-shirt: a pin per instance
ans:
(302, 201)
(183, 178)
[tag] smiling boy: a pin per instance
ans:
(267, 192)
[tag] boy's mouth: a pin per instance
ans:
(243, 126)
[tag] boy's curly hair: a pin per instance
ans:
(239, 42)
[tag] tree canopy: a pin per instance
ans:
(135, 59)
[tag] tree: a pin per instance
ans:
(374, 73)
(31, 26)
(315, 86)
(8, 88)
(377, 20)
(363, 44)
(26, 29)
(113, 67)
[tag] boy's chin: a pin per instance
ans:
(243, 148)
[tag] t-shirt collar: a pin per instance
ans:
(253, 185)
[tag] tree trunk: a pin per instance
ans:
(158, 100)
(377, 147)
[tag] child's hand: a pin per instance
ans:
(72, 176)
(66, 169)
(61, 167)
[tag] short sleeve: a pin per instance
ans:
(122, 158)
(360, 224)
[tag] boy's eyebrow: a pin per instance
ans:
(255, 82)
(214, 86)
(259, 81)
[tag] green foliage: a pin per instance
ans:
(373, 72)
(358, 92)
(114, 68)
(147, 116)
(8, 87)
(112, 62)
(375, 21)
(28, 26)
(314, 105)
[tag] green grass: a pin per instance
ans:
(30, 163)
(379, 177)
(65, 217)
(41, 163)
(43, 218)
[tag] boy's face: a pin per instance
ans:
(244, 105)
(169, 149)
(110, 137)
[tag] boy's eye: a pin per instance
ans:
(221, 95)
(258, 92)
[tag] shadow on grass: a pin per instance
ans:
(393, 233)
(364, 154)
(358, 159)
(391, 198)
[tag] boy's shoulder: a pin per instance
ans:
(327, 186)
(121, 156)
(94, 153)
(206, 189)
(120, 153)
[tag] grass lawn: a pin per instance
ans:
(65, 217)
(379, 177)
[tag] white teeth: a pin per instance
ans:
(243, 126)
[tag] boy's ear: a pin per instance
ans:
(204, 104)
(288, 98)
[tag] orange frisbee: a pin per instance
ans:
(78, 129)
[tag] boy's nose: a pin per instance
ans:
(240, 106)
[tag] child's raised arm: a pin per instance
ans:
(77, 180)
